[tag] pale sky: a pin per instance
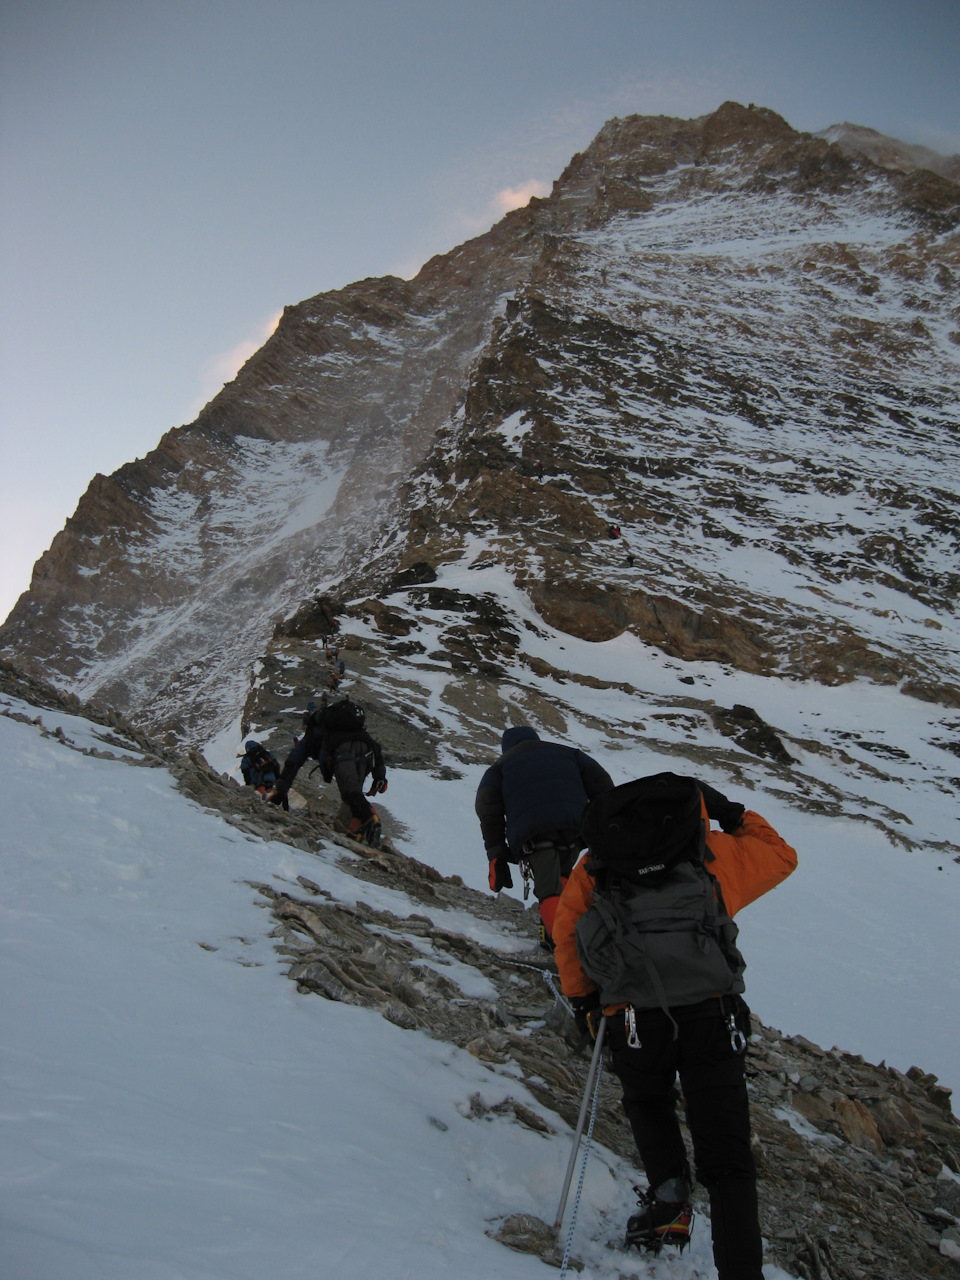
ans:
(173, 175)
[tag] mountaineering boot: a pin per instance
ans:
(370, 831)
(662, 1220)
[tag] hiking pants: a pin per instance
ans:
(714, 1088)
(351, 765)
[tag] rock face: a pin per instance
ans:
(734, 344)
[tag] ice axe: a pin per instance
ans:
(591, 1075)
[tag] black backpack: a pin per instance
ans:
(639, 831)
(657, 933)
(342, 717)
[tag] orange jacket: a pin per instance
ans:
(746, 864)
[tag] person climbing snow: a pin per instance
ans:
(260, 767)
(644, 937)
(335, 736)
(529, 804)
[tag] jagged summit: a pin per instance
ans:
(890, 153)
(731, 339)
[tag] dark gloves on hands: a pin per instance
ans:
(587, 1014)
(500, 877)
(720, 809)
(377, 786)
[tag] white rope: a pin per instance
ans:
(583, 1171)
(558, 997)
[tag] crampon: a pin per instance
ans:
(659, 1222)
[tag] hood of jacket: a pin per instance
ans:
(520, 733)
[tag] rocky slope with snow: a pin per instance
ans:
(735, 342)
(859, 1164)
(665, 465)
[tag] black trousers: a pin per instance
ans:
(711, 1075)
(350, 769)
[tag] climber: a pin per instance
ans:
(644, 938)
(260, 767)
(335, 736)
(529, 804)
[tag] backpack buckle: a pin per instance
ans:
(630, 1019)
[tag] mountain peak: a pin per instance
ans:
(707, 324)
(890, 153)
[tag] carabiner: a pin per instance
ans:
(738, 1041)
(527, 874)
(630, 1018)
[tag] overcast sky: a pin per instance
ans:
(174, 174)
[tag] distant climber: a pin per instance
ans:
(529, 804)
(335, 736)
(613, 531)
(341, 668)
(333, 682)
(644, 938)
(260, 767)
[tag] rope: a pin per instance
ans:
(583, 1171)
(558, 997)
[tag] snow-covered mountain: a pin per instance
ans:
(731, 339)
(664, 464)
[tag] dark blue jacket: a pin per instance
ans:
(261, 769)
(536, 789)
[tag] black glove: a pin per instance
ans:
(720, 809)
(587, 1014)
(377, 786)
(500, 877)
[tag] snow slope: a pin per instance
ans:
(172, 1109)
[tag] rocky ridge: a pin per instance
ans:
(733, 341)
(890, 153)
(859, 1163)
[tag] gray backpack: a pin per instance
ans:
(662, 940)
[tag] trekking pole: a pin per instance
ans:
(594, 1064)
